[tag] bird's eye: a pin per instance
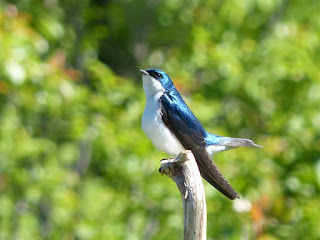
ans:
(158, 75)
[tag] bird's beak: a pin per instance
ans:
(144, 72)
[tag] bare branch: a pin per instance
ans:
(184, 171)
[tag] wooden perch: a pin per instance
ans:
(184, 171)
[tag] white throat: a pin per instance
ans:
(152, 87)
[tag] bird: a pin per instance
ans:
(172, 127)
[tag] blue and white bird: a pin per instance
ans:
(171, 126)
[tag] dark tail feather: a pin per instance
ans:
(238, 142)
(210, 172)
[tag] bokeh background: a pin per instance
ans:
(74, 162)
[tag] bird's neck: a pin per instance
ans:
(152, 88)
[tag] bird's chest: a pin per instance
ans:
(157, 131)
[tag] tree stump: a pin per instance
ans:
(184, 171)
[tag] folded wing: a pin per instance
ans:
(180, 120)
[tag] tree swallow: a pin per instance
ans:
(171, 126)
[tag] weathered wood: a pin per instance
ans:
(185, 173)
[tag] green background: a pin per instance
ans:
(74, 162)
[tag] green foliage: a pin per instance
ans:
(74, 162)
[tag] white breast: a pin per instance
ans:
(157, 131)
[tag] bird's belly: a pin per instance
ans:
(157, 131)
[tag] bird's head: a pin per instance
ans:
(155, 82)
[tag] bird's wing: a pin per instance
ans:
(180, 120)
